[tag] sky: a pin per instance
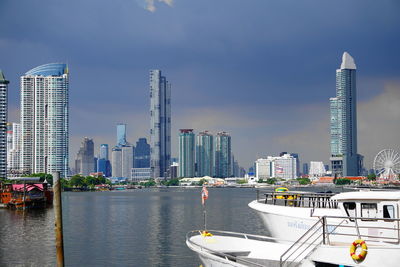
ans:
(262, 70)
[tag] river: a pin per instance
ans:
(142, 227)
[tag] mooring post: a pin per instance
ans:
(58, 219)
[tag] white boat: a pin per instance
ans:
(322, 235)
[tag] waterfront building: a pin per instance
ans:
(122, 161)
(3, 124)
(104, 166)
(84, 161)
(296, 156)
(13, 149)
(140, 174)
(263, 169)
(116, 162)
(223, 158)
(142, 154)
(174, 170)
(343, 124)
(160, 124)
(317, 169)
(205, 154)
(121, 134)
(284, 167)
(186, 153)
(45, 119)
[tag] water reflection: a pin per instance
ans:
(127, 228)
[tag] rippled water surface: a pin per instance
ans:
(144, 227)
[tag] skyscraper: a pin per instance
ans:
(160, 124)
(3, 124)
(103, 163)
(84, 162)
(116, 162)
(14, 149)
(121, 134)
(104, 151)
(205, 154)
(142, 154)
(45, 119)
(186, 153)
(344, 158)
(223, 158)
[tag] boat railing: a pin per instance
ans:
(227, 256)
(327, 228)
(298, 199)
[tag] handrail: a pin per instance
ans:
(295, 245)
(224, 255)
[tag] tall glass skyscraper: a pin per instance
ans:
(160, 125)
(205, 154)
(142, 154)
(186, 153)
(45, 119)
(104, 151)
(343, 108)
(223, 155)
(121, 134)
(3, 124)
(84, 161)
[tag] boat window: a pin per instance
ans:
(388, 211)
(369, 210)
(350, 208)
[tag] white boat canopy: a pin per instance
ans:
(368, 195)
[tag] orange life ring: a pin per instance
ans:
(364, 250)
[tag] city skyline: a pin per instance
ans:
(238, 89)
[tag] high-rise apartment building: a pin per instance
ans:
(142, 154)
(344, 158)
(44, 119)
(205, 154)
(84, 161)
(160, 124)
(186, 153)
(13, 149)
(223, 155)
(116, 162)
(3, 124)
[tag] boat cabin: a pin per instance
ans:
(369, 205)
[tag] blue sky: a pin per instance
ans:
(262, 70)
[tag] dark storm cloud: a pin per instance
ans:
(269, 55)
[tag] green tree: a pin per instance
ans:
(201, 182)
(241, 181)
(342, 181)
(172, 182)
(371, 177)
(77, 181)
(43, 176)
(271, 180)
(303, 181)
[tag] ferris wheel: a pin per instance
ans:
(387, 164)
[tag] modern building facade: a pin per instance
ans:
(103, 162)
(103, 151)
(3, 124)
(205, 154)
(14, 149)
(343, 125)
(223, 155)
(84, 161)
(283, 167)
(160, 125)
(45, 119)
(317, 169)
(186, 153)
(121, 134)
(140, 174)
(116, 162)
(263, 169)
(142, 154)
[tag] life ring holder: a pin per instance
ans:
(364, 250)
